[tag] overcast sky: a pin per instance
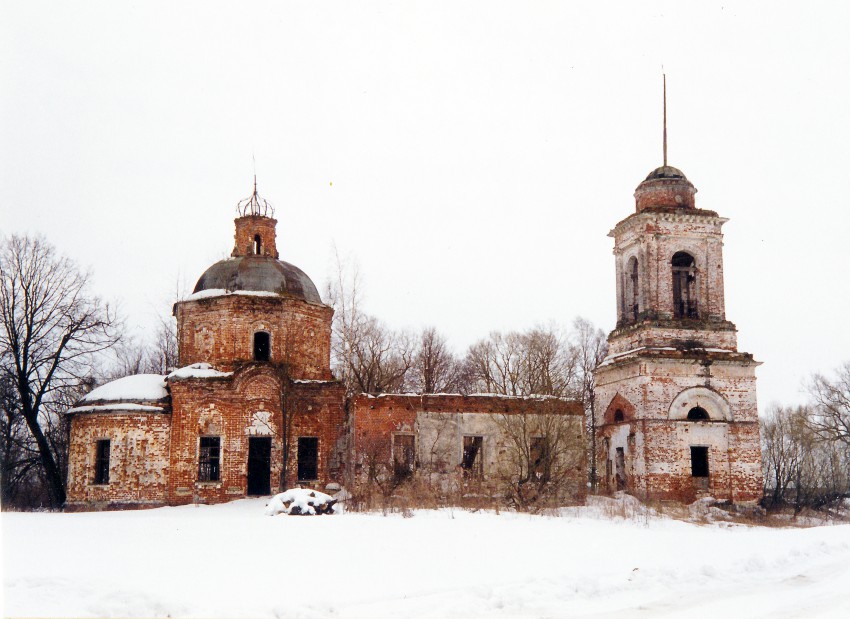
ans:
(471, 157)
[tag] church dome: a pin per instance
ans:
(666, 171)
(254, 273)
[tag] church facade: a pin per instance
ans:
(254, 408)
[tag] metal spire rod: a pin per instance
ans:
(665, 118)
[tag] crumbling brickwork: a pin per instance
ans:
(257, 401)
(252, 230)
(138, 460)
(220, 330)
(439, 424)
(254, 407)
(676, 414)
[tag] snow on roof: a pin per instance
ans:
(118, 407)
(467, 395)
(221, 292)
(139, 387)
(198, 370)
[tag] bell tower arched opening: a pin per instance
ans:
(632, 290)
(685, 302)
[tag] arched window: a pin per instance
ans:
(697, 413)
(633, 290)
(262, 346)
(258, 244)
(684, 286)
(618, 415)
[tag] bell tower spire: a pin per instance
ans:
(664, 76)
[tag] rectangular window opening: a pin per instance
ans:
(473, 460)
(101, 462)
(262, 346)
(209, 461)
(308, 458)
(404, 455)
(539, 457)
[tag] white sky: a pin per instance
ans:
(470, 156)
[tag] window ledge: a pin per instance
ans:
(207, 484)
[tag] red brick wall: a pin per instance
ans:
(249, 226)
(250, 404)
(138, 460)
(439, 423)
(665, 193)
(220, 331)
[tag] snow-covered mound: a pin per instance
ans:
(138, 388)
(301, 502)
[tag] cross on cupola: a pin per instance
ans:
(255, 227)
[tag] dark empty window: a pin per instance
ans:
(699, 461)
(618, 416)
(308, 458)
(101, 462)
(258, 244)
(262, 344)
(472, 462)
(684, 286)
(209, 459)
(697, 413)
(404, 455)
(539, 458)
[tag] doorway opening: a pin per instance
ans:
(259, 465)
(621, 469)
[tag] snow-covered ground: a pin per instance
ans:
(234, 561)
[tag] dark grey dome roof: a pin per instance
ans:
(666, 171)
(259, 273)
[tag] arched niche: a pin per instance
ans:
(620, 410)
(258, 384)
(714, 404)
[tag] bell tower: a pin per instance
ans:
(677, 416)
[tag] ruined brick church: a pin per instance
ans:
(254, 407)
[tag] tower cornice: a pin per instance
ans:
(667, 215)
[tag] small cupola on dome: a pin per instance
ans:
(665, 187)
(255, 227)
(254, 265)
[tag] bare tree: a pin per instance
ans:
(132, 355)
(367, 356)
(536, 362)
(831, 405)
(589, 348)
(781, 451)
(801, 467)
(540, 456)
(52, 330)
(435, 368)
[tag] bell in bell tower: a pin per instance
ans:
(678, 417)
